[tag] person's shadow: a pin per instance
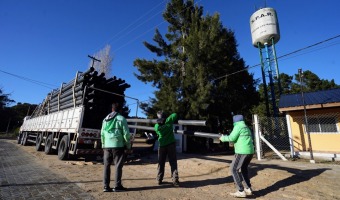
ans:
(298, 176)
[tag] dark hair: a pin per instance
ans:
(160, 114)
(115, 105)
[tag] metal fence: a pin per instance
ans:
(320, 126)
(271, 137)
(319, 123)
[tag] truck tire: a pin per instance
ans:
(63, 148)
(19, 138)
(38, 142)
(24, 139)
(48, 144)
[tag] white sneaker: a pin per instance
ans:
(248, 191)
(239, 194)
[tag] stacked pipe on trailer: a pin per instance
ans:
(81, 91)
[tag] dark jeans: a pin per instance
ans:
(239, 170)
(169, 152)
(117, 156)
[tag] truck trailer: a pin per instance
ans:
(69, 119)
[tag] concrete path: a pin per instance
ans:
(23, 178)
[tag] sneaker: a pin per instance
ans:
(107, 189)
(176, 183)
(119, 189)
(159, 182)
(239, 194)
(248, 191)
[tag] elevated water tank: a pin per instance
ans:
(264, 26)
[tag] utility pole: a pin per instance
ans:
(306, 120)
(93, 59)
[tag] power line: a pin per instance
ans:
(134, 28)
(138, 102)
(134, 39)
(47, 85)
(313, 50)
(285, 55)
(127, 27)
(129, 42)
(30, 80)
(280, 57)
(310, 46)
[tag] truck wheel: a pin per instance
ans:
(19, 138)
(24, 139)
(38, 142)
(63, 148)
(48, 144)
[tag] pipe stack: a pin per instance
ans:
(86, 89)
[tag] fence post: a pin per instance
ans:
(257, 137)
(290, 135)
(185, 143)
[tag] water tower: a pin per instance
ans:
(265, 34)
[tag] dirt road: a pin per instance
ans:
(201, 177)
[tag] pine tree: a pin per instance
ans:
(4, 99)
(4, 110)
(290, 85)
(196, 51)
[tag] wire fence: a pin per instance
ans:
(322, 128)
(319, 123)
(272, 133)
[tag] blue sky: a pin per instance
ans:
(48, 41)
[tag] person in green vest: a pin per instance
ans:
(115, 138)
(244, 150)
(166, 147)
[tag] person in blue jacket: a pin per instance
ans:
(244, 149)
(115, 138)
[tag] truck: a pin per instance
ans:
(69, 119)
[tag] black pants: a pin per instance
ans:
(169, 152)
(117, 156)
(239, 170)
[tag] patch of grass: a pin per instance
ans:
(8, 135)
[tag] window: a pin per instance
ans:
(322, 125)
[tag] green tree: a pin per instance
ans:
(17, 113)
(195, 52)
(4, 110)
(4, 100)
(310, 83)
(286, 83)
